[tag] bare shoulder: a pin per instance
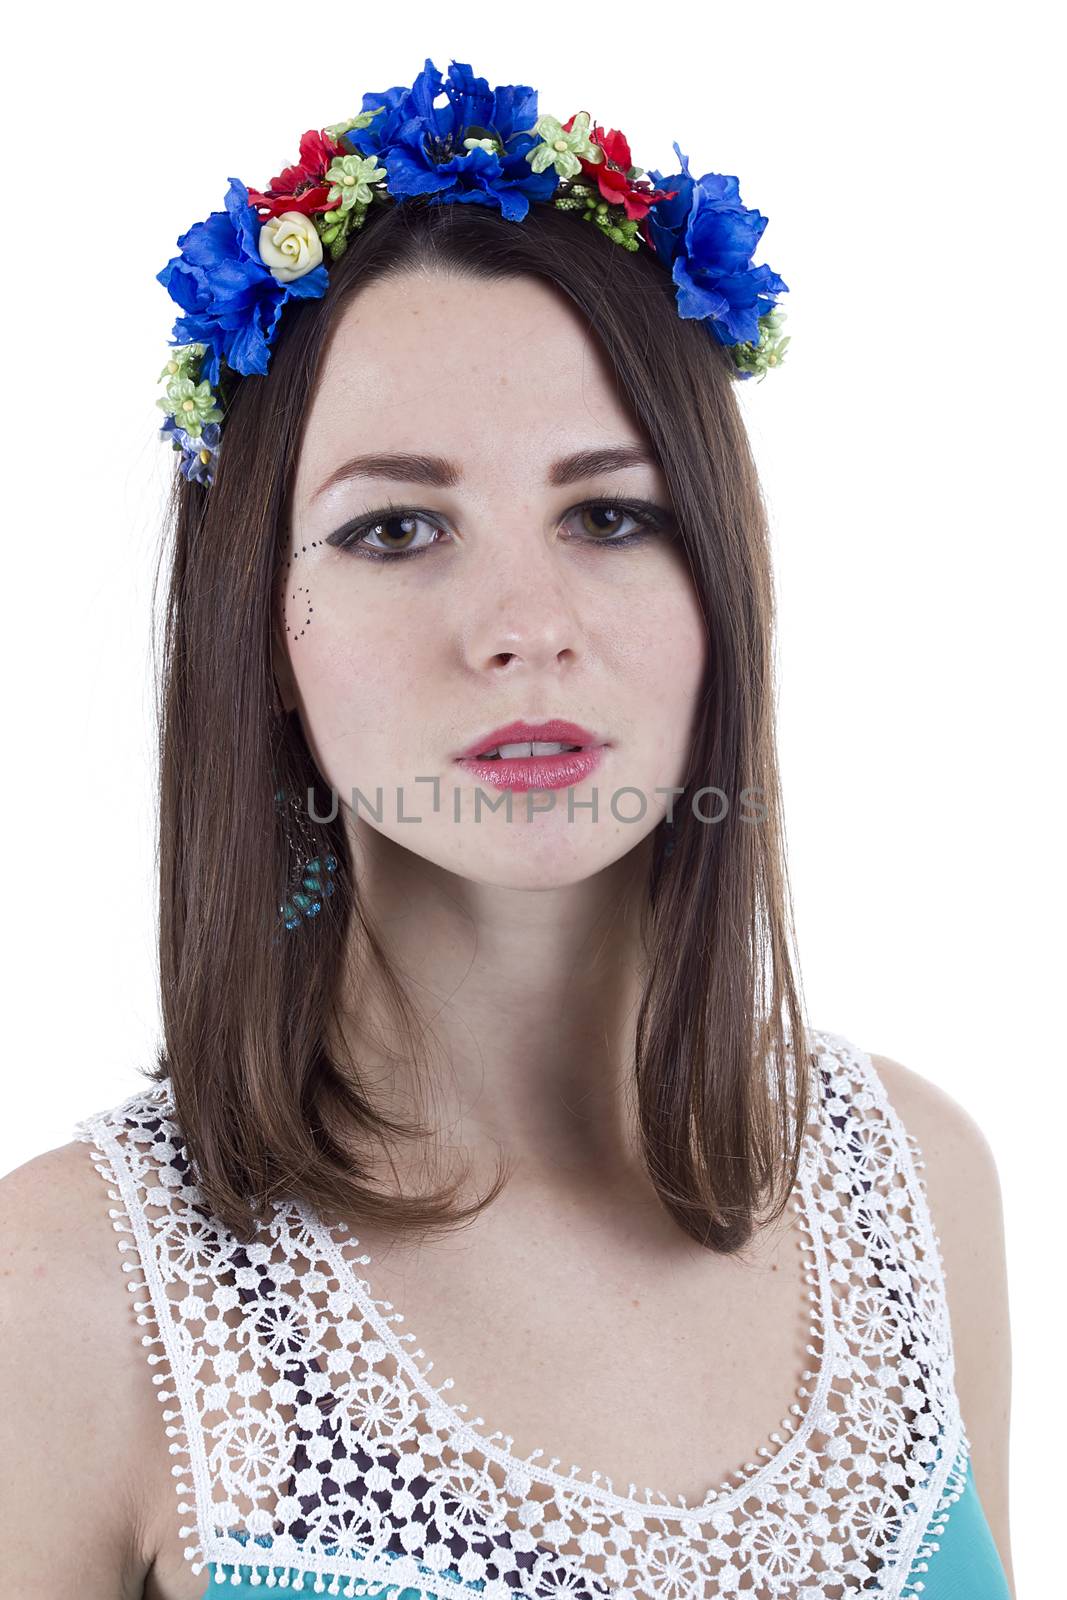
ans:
(964, 1194)
(77, 1415)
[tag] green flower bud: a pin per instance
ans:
(769, 352)
(485, 138)
(329, 224)
(362, 119)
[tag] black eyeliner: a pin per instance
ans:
(655, 520)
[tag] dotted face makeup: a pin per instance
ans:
(301, 589)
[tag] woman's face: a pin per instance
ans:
(515, 606)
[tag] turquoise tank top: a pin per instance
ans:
(313, 1452)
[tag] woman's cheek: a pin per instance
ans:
(357, 670)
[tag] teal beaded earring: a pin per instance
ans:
(312, 877)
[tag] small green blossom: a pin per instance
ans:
(760, 358)
(350, 178)
(560, 149)
(191, 404)
(489, 144)
(184, 362)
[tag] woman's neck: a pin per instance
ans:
(526, 1006)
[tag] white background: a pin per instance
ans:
(911, 170)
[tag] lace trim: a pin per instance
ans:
(129, 1218)
(953, 1481)
(598, 1485)
(953, 1489)
(304, 1314)
(915, 1165)
(287, 1577)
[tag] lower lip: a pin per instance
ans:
(535, 772)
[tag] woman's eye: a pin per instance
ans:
(397, 533)
(392, 534)
(602, 520)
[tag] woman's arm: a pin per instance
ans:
(963, 1190)
(76, 1391)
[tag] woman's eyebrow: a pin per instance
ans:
(402, 467)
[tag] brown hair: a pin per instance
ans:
(245, 1012)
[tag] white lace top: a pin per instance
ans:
(301, 1419)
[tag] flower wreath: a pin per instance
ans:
(241, 267)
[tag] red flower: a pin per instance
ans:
(303, 186)
(634, 195)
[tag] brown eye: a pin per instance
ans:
(393, 534)
(602, 519)
(396, 532)
(599, 523)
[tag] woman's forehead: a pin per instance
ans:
(472, 371)
(479, 335)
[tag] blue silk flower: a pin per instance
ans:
(232, 300)
(420, 145)
(708, 238)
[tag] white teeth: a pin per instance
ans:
(515, 752)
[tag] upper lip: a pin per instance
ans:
(554, 732)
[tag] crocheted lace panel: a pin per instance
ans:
(301, 1418)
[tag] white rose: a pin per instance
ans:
(289, 245)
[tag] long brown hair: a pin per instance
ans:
(246, 1013)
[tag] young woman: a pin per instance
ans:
(487, 1135)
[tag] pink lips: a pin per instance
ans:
(535, 772)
